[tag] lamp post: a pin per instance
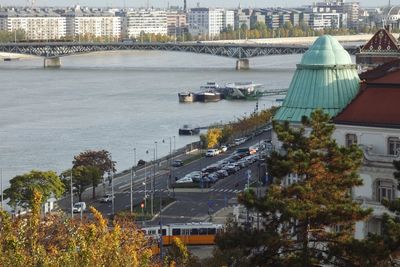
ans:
(72, 197)
(133, 174)
(152, 181)
(112, 189)
(1, 187)
(144, 183)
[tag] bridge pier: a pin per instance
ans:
(242, 64)
(52, 62)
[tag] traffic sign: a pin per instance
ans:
(142, 205)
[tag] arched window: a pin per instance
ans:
(351, 139)
(393, 146)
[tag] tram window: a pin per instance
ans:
(211, 231)
(164, 232)
(152, 232)
(203, 231)
(185, 231)
(194, 231)
(176, 231)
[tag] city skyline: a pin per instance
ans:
(164, 3)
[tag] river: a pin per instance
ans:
(116, 101)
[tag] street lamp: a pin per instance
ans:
(152, 181)
(145, 191)
(112, 188)
(133, 174)
(72, 196)
(170, 162)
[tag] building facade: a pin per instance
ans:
(209, 22)
(37, 24)
(146, 21)
(176, 23)
(377, 132)
(92, 22)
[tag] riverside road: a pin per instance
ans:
(192, 204)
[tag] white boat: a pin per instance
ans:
(242, 90)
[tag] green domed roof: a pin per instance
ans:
(326, 78)
(326, 50)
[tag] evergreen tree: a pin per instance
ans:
(309, 221)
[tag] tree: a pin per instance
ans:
(30, 240)
(82, 177)
(22, 187)
(213, 137)
(100, 159)
(178, 255)
(300, 220)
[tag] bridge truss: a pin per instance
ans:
(238, 51)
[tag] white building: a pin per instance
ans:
(145, 21)
(319, 21)
(96, 23)
(37, 24)
(377, 131)
(209, 22)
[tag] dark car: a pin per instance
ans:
(177, 163)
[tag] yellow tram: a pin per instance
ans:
(189, 233)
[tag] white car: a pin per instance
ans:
(107, 198)
(79, 207)
(212, 152)
(184, 180)
(224, 148)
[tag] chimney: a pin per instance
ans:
(184, 6)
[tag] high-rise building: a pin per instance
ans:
(145, 21)
(352, 9)
(176, 23)
(209, 22)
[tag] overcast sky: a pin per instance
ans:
(191, 3)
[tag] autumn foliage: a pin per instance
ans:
(59, 241)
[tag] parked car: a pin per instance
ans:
(212, 152)
(222, 174)
(185, 179)
(224, 148)
(177, 163)
(107, 198)
(79, 207)
(210, 168)
(213, 177)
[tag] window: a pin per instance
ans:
(176, 231)
(385, 189)
(393, 146)
(194, 231)
(351, 139)
(211, 231)
(203, 231)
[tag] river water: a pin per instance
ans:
(116, 101)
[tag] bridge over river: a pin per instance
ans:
(53, 51)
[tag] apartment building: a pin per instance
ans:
(95, 22)
(148, 21)
(37, 24)
(176, 23)
(209, 22)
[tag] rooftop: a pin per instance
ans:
(325, 78)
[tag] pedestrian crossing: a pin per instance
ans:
(216, 190)
(225, 190)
